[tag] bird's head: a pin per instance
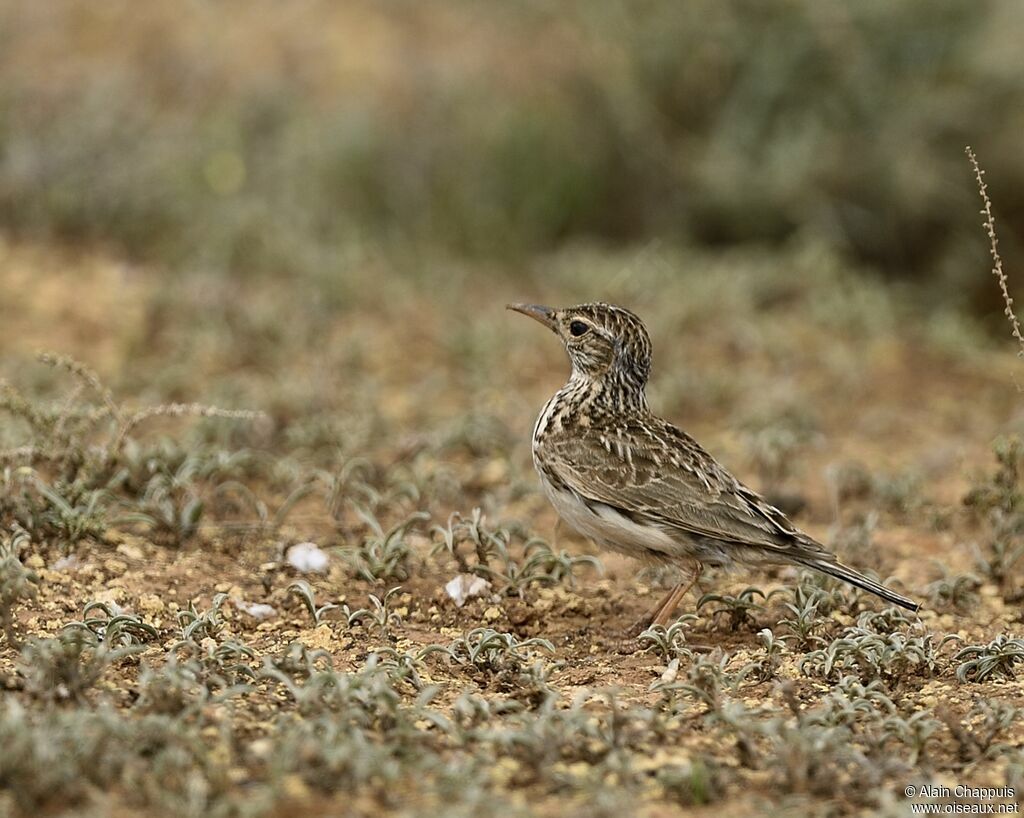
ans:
(602, 340)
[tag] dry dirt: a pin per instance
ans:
(914, 408)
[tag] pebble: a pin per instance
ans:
(307, 557)
(151, 604)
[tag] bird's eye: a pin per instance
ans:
(577, 328)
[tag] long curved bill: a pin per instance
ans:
(545, 315)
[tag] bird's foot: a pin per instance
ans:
(637, 628)
(628, 641)
(626, 646)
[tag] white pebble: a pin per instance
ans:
(464, 586)
(307, 558)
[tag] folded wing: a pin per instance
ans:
(654, 472)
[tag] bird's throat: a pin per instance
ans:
(584, 402)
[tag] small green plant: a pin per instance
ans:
(957, 592)
(196, 625)
(74, 468)
(298, 661)
(67, 666)
(170, 506)
(856, 536)
(827, 593)
(706, 678)
(495, 560)
(997, 659)
(804, 622)
(852, 701)
(668, 643)
(17, 583)
(977, 732)
(738, 611)
(998, 501)
(766, 667)
(913, 732)
(383, 555)
(999, 496)
(887, 620)
(999, 563)
(405, 665)
(899, 494)
(812, 759)
(304, 591)
(540, 566)
(352, 479)
(494, 652)
(486, 543)
(775, 442)
(235, 497)
(224, 666)
(181, 688)
(379, 614)
(362, 699)
(869, 654)
(691, 784)
(114, 628)
(65, 512)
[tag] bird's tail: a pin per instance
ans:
(840, 571)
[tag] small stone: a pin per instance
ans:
(108, 595)
(495, 472)
(151, 604)
(66, 563)
(307, 557)
(131, 551)
(295, 788)
(321, 637)
(262, 748)
(35, 561)
(465, 586)
(492, 613)
(257, 610)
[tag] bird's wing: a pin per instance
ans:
(653, 471)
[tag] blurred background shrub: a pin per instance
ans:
(257, 138)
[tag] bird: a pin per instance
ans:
(638, 485)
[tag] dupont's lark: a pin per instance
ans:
(635, 483)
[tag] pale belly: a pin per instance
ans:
(610, 529)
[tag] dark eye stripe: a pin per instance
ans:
(577, 328)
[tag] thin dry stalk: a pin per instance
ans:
(997, 262)
(86, 376)
(127, 424)
(21, 454)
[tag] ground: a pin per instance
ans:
(408, 404)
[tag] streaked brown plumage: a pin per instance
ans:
(635, 483)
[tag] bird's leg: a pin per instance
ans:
(645, 621)
(663, 613)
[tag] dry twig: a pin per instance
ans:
(997, 262)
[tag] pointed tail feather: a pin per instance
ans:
(840, 571)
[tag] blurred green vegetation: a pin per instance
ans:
(264, 139)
